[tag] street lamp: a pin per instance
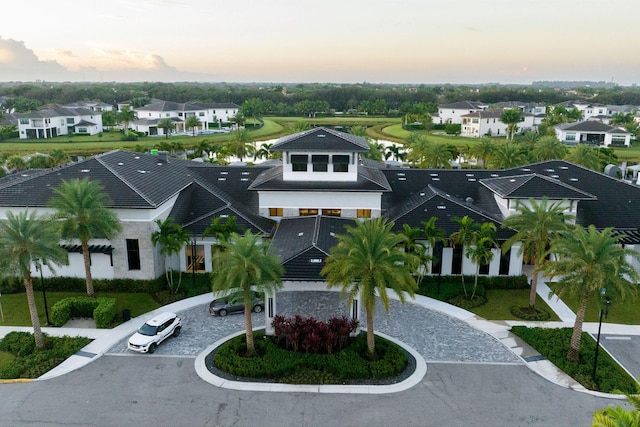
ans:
(44, 294)
(605, 303)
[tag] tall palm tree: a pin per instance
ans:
(171, 238)
(508, 155)
(57, 157)
(167, 125)
(464, 235)
(418, 149)
(80, 208)
(26, 239)
(584, 155)
(245, 265)
(433, 234)
(241, 144)
(511, 118)
(480, 249)
(483, 150)
(549, 148)
(263, 152)
(589, 262)
(192, 123)
(535, 224)
(126, 116)
(369, 259)
(412, 244)
(439, 156)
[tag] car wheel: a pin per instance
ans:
(176, 331)
(257, 308)
(222, 312)
(152, 347)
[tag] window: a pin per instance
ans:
(308, 212)
(364, 213)
(618, 139)
(195, 258)
(570, 137)
(70, 120)
(331, 212)
(320, 162)
(82, 130)
(275, 211)
(340, 163)
(24, 121)
(299, 162)
(474, 120)
(201, 113)
(133, 254)
(179, 114)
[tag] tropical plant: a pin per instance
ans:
(58, 157)
(263, 152)
(369, 259)
(439, 155)
(588, 262)
(296, 127)
(418, 149)
(26, 239)
(483, 150)
(511, 118)
(16, 163)
(167, 125)
(614, 416)
(463, 237)
(241, 144)
(222, 230)
(549, 148)
(535, 224)
(244, 265)
(126, 116)
(192, 123)
(480, 249)
(508, 155)
(584, 155)
(433, 234)
(171, 238)
(82, 213)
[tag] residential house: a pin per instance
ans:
(592, 132)
(453, 112)
(54, 120)
(487, 123)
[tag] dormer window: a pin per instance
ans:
(340, 163)
(320, 162)
(299, 162)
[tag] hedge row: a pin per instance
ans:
(31, 363)
(274, 362)
(102, 310)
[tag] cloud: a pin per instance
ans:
(19, 63)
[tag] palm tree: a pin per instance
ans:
(480, 249)
(126, 116)
(241, 145)
(80, 208)
(549, 148)
(16, 163)
(203, 147)
(618, 415)
(464, 235)
(511, 118)
(439, 156)
(535, 224)
(263, 152)
(411, 244)
(167, 125)
(418, 146)
(376, 151)
(26, 239)
(58, 157)
(367, 260)
(192, 123)
(433, 234)
(396, 153)
(172, 238)
(590, 262)
(297, 127)
(508, 155)
(483, 150)
(584, 155)
(222, 230)
(245, 265)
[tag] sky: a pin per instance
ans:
(328, 41)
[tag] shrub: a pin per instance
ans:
(453, 128)
(102, 310)
(463, 302)
(311, 336)
(18, 343)
(105, 312)
(11, 285)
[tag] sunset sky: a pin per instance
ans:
(392, 41)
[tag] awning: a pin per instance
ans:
(93, 249)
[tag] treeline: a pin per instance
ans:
(282, 99)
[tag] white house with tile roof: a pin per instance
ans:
(487, 123)
(55, 120)
(592, 132)
(453, 112)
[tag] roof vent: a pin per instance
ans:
(422, 194)
(472, 180)
(81, 170)
(244, 179)
(526, 169)
(435, 179)
(469, 174)
(315, 260)
(555, 176)
(402, 179)
(442, 207)
(300, 234)
(469, 201)
(332, 234)
(246, 173)
(120, 163)
(573, 179)
(494, 175)
(321, 135)
(433, 174)
(550, 170)
(141, 171)
(224, 173)
(222, 179)
(136, 157)
(564, 168)
(512, 180)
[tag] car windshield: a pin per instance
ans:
(147, 329)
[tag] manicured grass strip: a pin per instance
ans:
(624, 312)
(554, 344)
(16, 310)
(500, 301)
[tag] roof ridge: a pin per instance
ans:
(471, 207)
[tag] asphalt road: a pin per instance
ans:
(626, 349)
(165, 391)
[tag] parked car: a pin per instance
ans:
(234, 304)
(154, 331)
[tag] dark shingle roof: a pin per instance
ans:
(534, 186)
(462, 105)
(590, 126)
(321, 139)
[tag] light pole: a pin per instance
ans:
(605, 303)
(44, 294)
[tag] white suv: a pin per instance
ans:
(154, 331)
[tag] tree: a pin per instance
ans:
(508, 155)
(549, 148)
(483, 150)
(222, 230)
(433, 234)
(81, 211)
(584, 155)
(480, 249)
(618, 415)
(588, 262)
(171, 238)
(297, 126)
(57, 157)
(167, 126)
(245, 265)
(126, 116)
(192, 123)
(418, 146)
(26, 239)
(535, 224)
(16, 163)
(367, 260)
(439, 156)
(511, 118)
(464, 236)
(109, 119)
(241, 145)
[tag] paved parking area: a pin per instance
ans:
(436, 336)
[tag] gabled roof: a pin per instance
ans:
(534, 186)
(321, 139)
(491, 114)
(590, 126)
(160, 105)
(463, 105)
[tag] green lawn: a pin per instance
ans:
(500, 301)
(16, 310)
(5, 358)
(624, 312)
